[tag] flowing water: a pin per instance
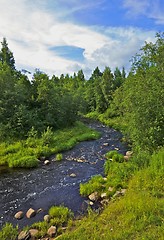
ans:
(52, 184)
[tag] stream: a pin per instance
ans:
(52, 184)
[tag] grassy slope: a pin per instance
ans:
(137, 215)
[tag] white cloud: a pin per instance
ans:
(31, 29)
(149, 8)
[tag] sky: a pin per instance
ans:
(64, 36)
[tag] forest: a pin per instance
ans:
(33, 110)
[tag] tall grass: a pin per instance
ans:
(25, 153)
(137, 215)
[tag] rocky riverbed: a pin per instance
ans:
(58, 182)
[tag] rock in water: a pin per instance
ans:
(30, 213)
(19, 215)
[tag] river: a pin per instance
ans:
(52, 184)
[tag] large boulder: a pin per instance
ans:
(19, 215)
(52, 231)
(30, 213)
(24, 235)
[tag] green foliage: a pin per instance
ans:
(25, 153)
(42, 227)
(25, 161)
(114, 156)
(6, 56)
(140, 100)
(8, 232)
(137, 215)
(59, 156)
(59, 215)
(96, 183)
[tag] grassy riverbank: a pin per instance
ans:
(25, 153)
(137, 215)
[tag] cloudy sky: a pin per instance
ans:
(64, 36)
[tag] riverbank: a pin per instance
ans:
(52, 184)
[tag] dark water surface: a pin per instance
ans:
(52, 184)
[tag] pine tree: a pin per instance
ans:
(6, 56)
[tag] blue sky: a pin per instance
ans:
(61, 36)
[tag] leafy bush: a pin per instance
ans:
(8, 232)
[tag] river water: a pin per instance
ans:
(52, 184)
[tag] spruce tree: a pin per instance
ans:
(6, 56)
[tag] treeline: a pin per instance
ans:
(54, 102)
(57, 102)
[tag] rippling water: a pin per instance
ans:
(52, 184)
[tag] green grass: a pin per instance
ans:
(25, 153)
(59, 217)
(137, 215)
(116, 122)
(8, 232)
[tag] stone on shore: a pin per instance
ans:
(52, 231)
(24, 235)
(47, 218)
(33, 232)
(46, 162)
(93, 196)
